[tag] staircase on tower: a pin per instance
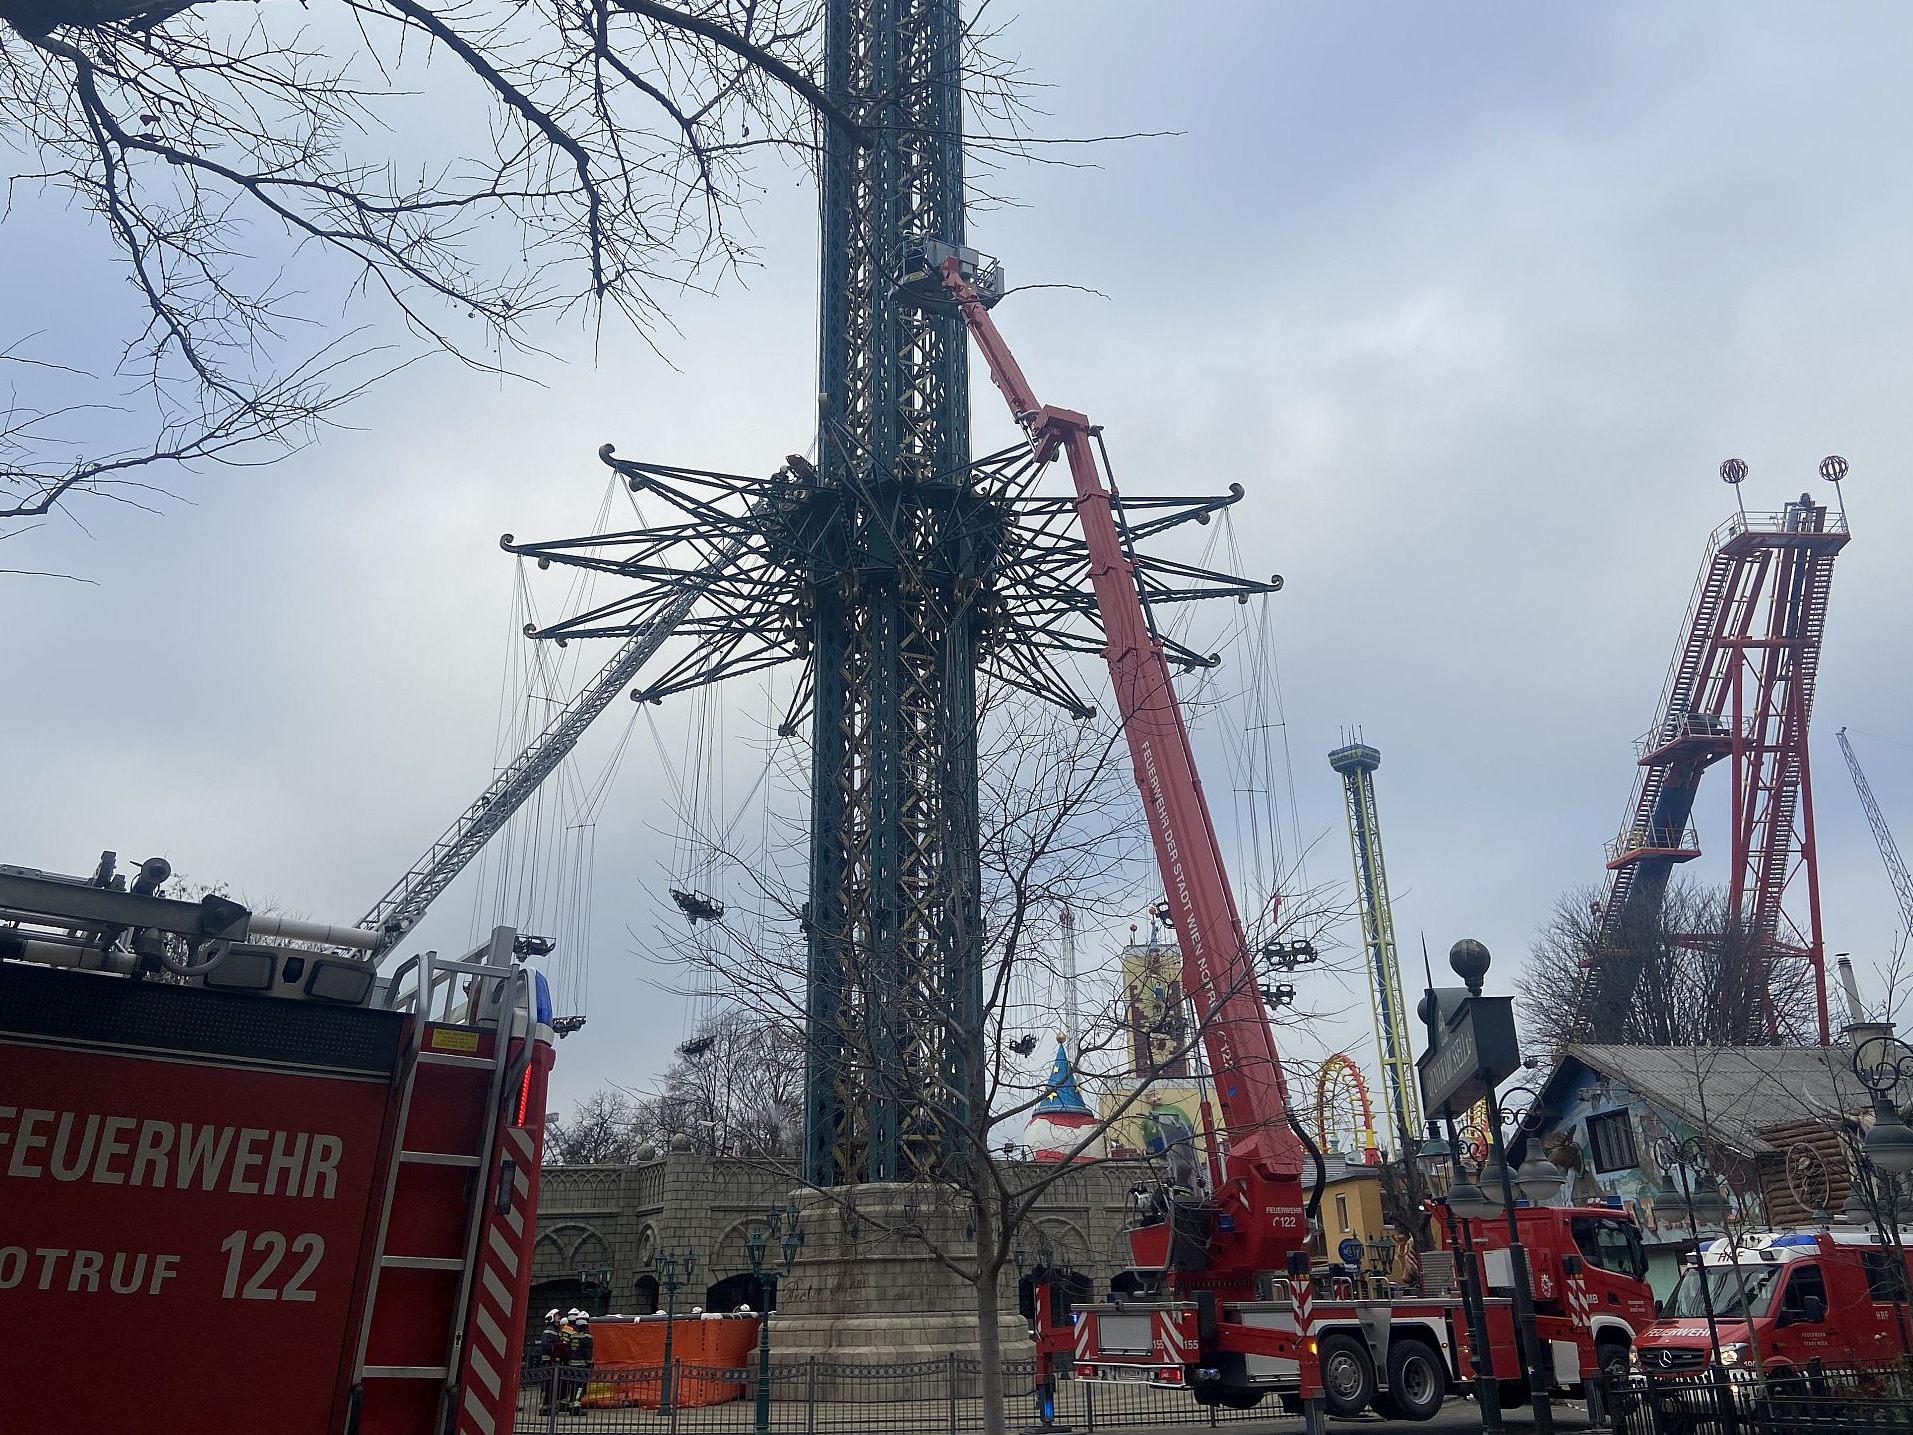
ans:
(1740, 689)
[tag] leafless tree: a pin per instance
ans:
(464, 168)
(1693, 977)
(734, 1088)
(1063, 827)
(601, 1131)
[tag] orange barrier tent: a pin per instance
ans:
(628, 1359)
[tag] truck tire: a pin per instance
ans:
(1610, 1358)
(1609, 1367)
(1417, 1381)
(1348, 1375)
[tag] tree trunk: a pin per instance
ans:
(989, 1265)
(989, 1349)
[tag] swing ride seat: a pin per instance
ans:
(696, 906)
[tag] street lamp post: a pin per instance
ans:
(1381, 1260)
(1470, 961)
(1463, 1198)
(762, 1243)
(1536, 1179)
(674, 1272)
(1883, 1062)
(1688, 1155)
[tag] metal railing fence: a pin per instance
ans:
(814, 1397)
(1742, 1402)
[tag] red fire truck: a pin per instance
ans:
(1781, 1300)
(1232, 1315)
(251, 1185)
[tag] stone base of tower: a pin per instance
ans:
(866, 1289)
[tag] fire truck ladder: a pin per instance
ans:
(421, 1291)
(1740, 687)
(404, 903)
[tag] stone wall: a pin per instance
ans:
(593, 1218)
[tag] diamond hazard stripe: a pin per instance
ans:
(488, 1397)
(1302, 1295)
(1175, 1343)
(476, 1416)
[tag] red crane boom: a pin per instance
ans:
(1258, 1211)
(1214, 1328)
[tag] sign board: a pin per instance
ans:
(1350, 1250)
(186, 1232)
(1475, 1050)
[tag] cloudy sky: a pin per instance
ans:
(1473, 299)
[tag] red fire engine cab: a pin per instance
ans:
(1780, 1300)
(1232, 1314)
(251, 1185)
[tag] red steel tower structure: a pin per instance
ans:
(1741, 690)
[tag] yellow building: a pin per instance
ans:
(1153, 1016)
(1352, 1210)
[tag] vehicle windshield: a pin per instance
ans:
(1737, 1292)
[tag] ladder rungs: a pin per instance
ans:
(437, 1158)
(446, 1058)
(405, 1372)
(423, 1263)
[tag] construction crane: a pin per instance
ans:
(1741, 689)
(405, 901)
(1401, 1093)
(1882, 835)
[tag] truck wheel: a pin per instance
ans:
(1348, 1375)
(1610, 1378)
(1417, 1382)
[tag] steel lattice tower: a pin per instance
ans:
(893, 723)
(1401, 1098)
(900, 572)
(1740, 688)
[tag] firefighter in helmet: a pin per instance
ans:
(577, 1362)
(550, 1352)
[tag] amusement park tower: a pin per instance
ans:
(902, 574)
(1356, 762)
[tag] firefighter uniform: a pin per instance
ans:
(551, 1354)
(577, 1363)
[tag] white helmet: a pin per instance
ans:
(575, 1314)
(551, 1316)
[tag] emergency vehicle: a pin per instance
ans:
(1232, 1315)
(1400, 1357)
(1781, 1300)
(267, 1188)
